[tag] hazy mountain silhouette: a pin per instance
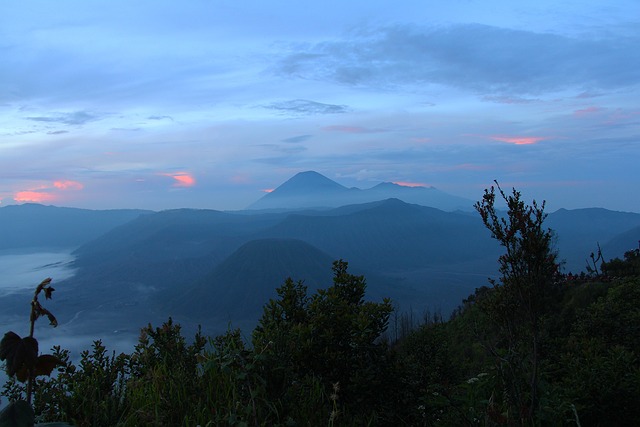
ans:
(35, 225)
(623, 242)
(391, 235)
(167, 247)
(237, 288)
(206, 263)
(580, 230)
(313, 190)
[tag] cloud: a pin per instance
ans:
(510, 100)
(485, 59)
(160, 118)
(182, 179)
(34, 196)
(520, 140)
(351, 129)
(409, 184)
(77, 118)
(305, 107)
(587, 111)
(68, 185)
(296, 139)
(48, 192)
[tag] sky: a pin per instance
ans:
(210, 104)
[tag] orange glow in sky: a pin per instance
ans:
(183, 179)
(409, 184)
(33, 196)
(519, 140)
(68, 185)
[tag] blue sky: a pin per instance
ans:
(207, 104)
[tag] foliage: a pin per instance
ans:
(629, 267)
(332, 336)
(517, 306)
(22, 362)
(85, 395)
(161, 389)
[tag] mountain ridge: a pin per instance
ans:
(311, 189)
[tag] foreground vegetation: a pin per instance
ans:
(533, 348)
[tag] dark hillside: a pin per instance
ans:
(238, 287)
(392, 235)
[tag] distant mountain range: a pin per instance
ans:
(213, 267)
(32, 225)
(313, 190)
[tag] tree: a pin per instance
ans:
(332, 336)
(520, 301)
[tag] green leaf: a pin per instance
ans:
(17, 414)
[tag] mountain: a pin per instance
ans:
(313, 190)
(391, 235)
(167, 247)
(237, 288)
(580, 230)
(207, 263)
(219, 266)
(623, 242)
(33, 225)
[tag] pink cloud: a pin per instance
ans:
(183, 179)
(68, 185)
(267, 190)
(409, 184)
(519, 140)
(586, 111)
(33, 196)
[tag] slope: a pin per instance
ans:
(34, 225)
(237, 289)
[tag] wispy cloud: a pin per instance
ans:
(410, 184)
(75, 118)
(68, 185)
(34, 196)
(160, 118)
(296, 139)
(305, 107)
(504, 63)
(587, 111)
(47, 192)
(182, 179)
(520, 140)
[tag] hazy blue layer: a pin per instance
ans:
(20, 271)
